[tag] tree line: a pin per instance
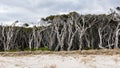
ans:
(65, 32)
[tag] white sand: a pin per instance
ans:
(57, 61)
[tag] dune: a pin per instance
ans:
(60, 61)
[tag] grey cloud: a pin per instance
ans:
(34, 9)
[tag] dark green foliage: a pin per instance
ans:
(48, 18)
(41, 49)
(25, 25)
(118, 8)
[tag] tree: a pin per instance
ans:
(25, 24)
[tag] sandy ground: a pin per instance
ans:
(60, 61)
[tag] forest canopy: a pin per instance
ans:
(66, 32)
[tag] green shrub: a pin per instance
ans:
(34, 49)
(43, 49)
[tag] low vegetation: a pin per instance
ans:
(62, 53)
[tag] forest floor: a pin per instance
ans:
(63, 59)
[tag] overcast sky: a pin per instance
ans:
(33, 10)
